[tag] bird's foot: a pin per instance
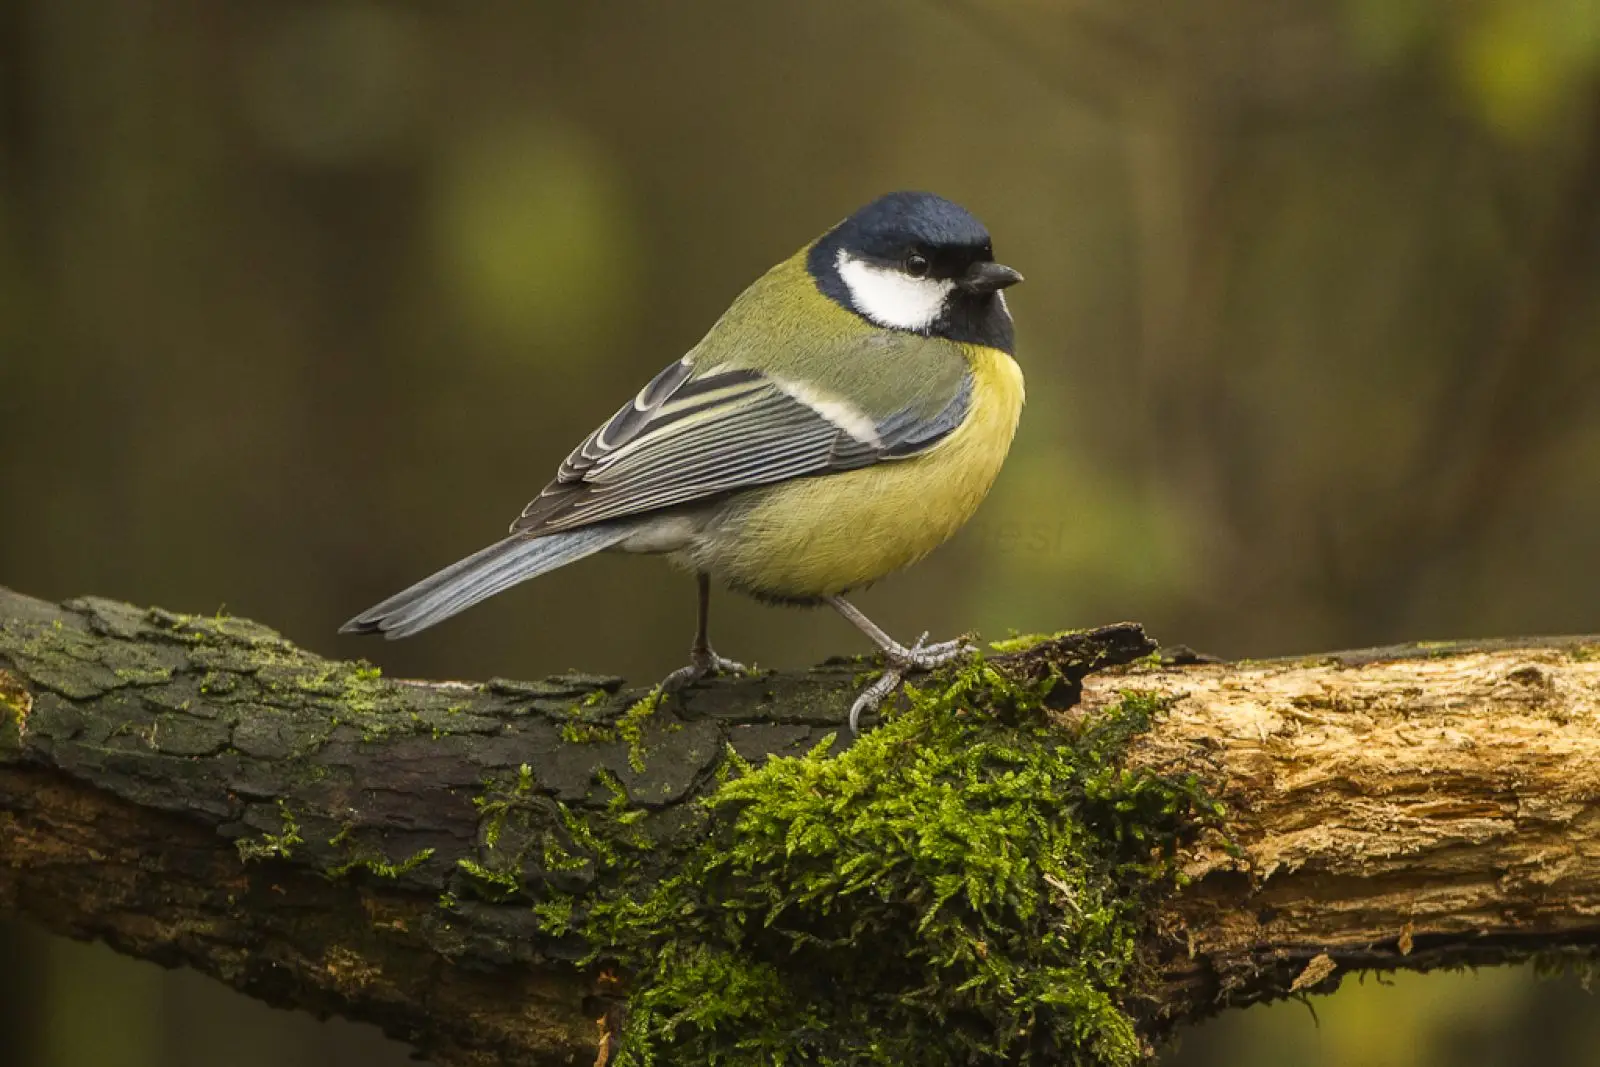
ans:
(926, 657)
(703, 663)
(902, 660)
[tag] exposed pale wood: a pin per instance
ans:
(1397, 808)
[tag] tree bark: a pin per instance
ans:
(197, 791)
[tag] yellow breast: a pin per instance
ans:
(820, 536)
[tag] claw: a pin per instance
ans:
(902, 660)
(703, 662)
(872, 696)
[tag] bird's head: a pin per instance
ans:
(919, 263)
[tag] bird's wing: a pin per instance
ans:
(693, 434)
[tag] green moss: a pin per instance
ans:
(218, 629)
(505, 882)
(525, 834)
(587, 733)
(582, 728)
(965, 884)
(15, 700)
(1022, 642)
(555, 914)
(363, 689)
(1585, 653)
(370, 860)
(15, 704)
(380, 867)
(269, 845)
(630, 727)
(358, 687)
(496, 804)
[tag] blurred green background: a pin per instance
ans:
(301, 300)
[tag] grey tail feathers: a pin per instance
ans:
(478, 577)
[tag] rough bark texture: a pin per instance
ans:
(197, 791)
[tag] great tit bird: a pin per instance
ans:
(844, 418)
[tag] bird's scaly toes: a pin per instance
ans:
(925, 657)
(724, 665)
(902, 660)
(872, 696)
(703, 663)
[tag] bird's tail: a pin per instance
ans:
(478, 577)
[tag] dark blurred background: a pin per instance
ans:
(299, 301)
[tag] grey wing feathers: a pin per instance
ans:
(681, 439)
(626, 424)
(478, 577)
(905, 433)
(684, 439)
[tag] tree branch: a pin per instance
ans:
(197, 791)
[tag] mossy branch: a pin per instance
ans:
(1056, 855)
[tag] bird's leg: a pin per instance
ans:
(919, 657)
(703, 659)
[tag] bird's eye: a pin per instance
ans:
(916, 264)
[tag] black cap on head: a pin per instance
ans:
(896, 224)
(921, 238)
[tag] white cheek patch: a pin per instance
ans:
(893, 298)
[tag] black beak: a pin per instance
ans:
(986, 277)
